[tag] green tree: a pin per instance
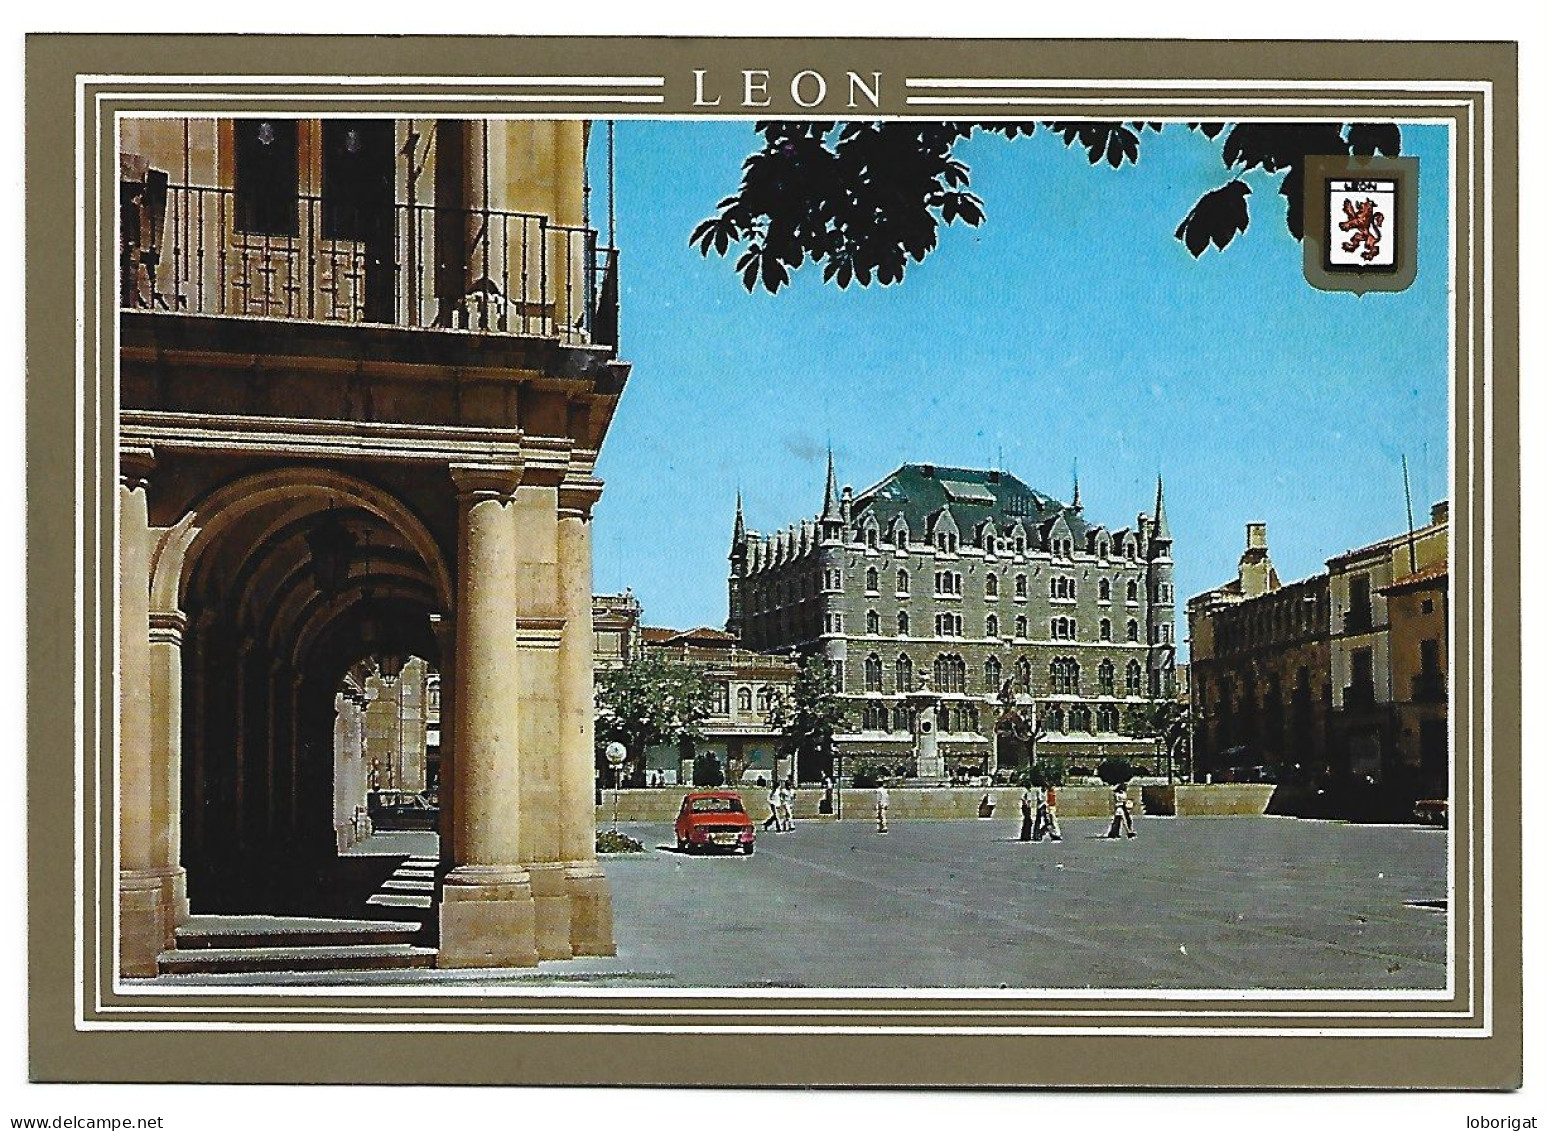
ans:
(865, 198)
(707, 771)
(650, 702)
(1168, 723)
(808, 717)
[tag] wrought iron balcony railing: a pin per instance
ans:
(184, 250)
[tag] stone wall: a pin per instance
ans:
(1242, 800)
(661, 805)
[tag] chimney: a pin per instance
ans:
(1439, 512)
(1256, 572)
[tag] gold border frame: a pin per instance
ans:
(86, 1028)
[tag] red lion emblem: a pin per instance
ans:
(1364, 222)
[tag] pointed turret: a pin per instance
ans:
(830, 505)
(1162, 530)
(832, 509)
(1075, 504)
(739, 534)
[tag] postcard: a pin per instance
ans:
(774, 562)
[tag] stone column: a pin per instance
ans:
(166, 790)
(539, 634)
(590, 900)
(486, 913)
(145, 924)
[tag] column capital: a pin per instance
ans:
(579, 495)
(545, 474)
(476, 481)
(134, 466)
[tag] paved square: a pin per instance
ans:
(1197, 903)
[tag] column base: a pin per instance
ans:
(487, 918)
(151, 904)
(551, 910)
(590, 909)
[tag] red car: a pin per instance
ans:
(714, 819)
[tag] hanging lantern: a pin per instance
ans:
(331, 546)
(390, 665)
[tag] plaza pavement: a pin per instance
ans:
(1192, 903)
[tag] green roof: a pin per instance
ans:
(918, 490)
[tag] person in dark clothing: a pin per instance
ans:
(1027, 814)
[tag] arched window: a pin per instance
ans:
(744, 699)
(1133, 631)
(993, 674)
(1104, 589)
(991, 625)
(1133, 592)
(1106, 677)
(873, 623)
(1020, 628)
(765, 698)
(873, 538)
(1106, 629)
(902, 583)
(1020, 585)
(720, 703)
(1064, 676)
(1023, 674)
(872, 580)
(991, 585)
(1106, 719)
(904, 669)
(950, 673)
(1079, 718)
(1056, 721)
(873, 672)
(1135, 679)
(1054, 587)
(902, 624)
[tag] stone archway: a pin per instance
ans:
(257, 599)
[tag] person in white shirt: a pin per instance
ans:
(882, 801)
(787, 806)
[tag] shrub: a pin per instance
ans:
(1116, 771)
(707, 771)
(867, 778)
(611, 840)
(1042, 774)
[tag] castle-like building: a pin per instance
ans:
(965, 602)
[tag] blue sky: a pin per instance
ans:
(1069, 326)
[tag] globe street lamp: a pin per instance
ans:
(617, 754)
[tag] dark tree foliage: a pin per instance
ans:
(865, 198)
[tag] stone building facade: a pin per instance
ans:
(1367, 690)
(1259, 667)
(1342, 674)
(947, 599)
(744, 686)
(366, 368)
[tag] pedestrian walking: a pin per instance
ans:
(787, 806)
(826, 806)
(773, 808)
(883, 799)
(1026, 814)
(1051, 799)
(1122, 815)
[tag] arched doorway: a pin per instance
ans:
(288, 586)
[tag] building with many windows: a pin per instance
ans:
(966, 600)
(1340, 674)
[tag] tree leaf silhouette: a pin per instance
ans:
(1217, 218)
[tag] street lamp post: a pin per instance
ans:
(617, 753)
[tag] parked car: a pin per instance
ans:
(398, 811)
(1433, 811)
(714, 819)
